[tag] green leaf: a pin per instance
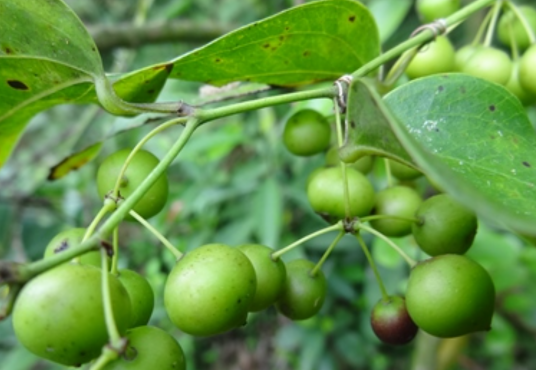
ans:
(46, 58)
(470, 136)
(317, 41)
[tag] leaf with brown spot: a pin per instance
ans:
(74, 161)
(272, 51)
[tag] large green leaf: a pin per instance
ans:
(470, 136)
(317, 41)
(48, 58)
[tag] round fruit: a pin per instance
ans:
(210, 290)
(403, 172)
(527, 72)
(490, 64)
(515, 87)
(363, 164)
(430, 10)
(303, 294)
(509, 21)
(399, 201)
(450, 295)
(306, 133)
(270, 275)
(137, 171)
(462, 56)
(67, 238)
(325, 192)
(445, 226)
(435, 57)
(149, 348)
(391, 323)
(59, 314)
(141, 296)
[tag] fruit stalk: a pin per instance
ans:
(370, 260)
(411, 262)
(162, 238)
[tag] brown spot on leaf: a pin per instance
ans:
(492, 108)
(526, 164)
(352, 123)
(8, 50)
(440, 88)
(150, 92)
(351, 18)
(217, 60)
(306, 53)
(16, 84)
(266, 46)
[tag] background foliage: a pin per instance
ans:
(235, 183)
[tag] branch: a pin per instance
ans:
(128, 35)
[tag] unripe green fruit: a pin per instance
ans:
(137, 171)
(510, 23)
(363, 164)
(445, 226)
(430, 10)
(303, 294)
(68, 238)
(270, 275)
(403, 172)
(399, 201)
(391, 322)
(462, 56)
(306, 133)
(436, 57)
(149, 348)
(527, 70)
(59, 314)
(325, 192)
(450, 295)
(210, 290)
(490, 64)
(141, 296)
(515, 87)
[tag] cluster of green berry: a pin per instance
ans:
(516, 29)
(447, 295)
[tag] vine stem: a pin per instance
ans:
(345, 190)
(363, 245)
(493, 22)
(138, 146)
(326, 254)
(111, 326)
(420, 38)
(155, 232)
(277, 254)
(115, 245)
(528, 29)
(107, 207)
(26, 272)
(411, 262)
(211, 114)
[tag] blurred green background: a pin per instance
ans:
(235, 183)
